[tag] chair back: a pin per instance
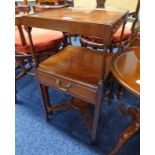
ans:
(89, 3)
(100, 3)
(50, 1)
(22, 9)
(130, 5)
(85, 4)
(47, 5)
(25, 2)
(18, 10)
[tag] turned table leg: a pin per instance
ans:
(130, 130)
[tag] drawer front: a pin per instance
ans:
(67, 86)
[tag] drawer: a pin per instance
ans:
(68, 86)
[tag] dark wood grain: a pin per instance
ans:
(79, 21)
(80, 66)
(123, 39)
(23, 58)
(126, 69)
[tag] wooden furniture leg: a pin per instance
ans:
(95, 123)
(45, 99)
(23, 68)
(75, 103)
(121, 91)
(130, 130)
(81, 106)
(96, 114)
(110, 89)
(84, 109)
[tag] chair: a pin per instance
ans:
(46, 5)
(46, 42)
(69, 2)
(123, 36)
(85, 4)
(89, 3)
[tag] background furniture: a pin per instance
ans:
(69, 2)
(122, 37)
(92, 4)
(89, 4)
(24, 2)
(126, 69)
(46, 42)
(126, 34)
(85, 4)
(46, 5)
(21, 59)
(78, 71)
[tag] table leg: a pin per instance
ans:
(130, 130)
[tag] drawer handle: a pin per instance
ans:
(68, 85)
(58, 82)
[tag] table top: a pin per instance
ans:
(94, 22)
(126, 69)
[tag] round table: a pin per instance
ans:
(126, 69)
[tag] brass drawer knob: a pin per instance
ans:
(58, 82)
(67, 86)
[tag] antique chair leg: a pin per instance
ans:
(65, 40)
(111, 49)
(75, 37)
(110, 89)
(45, 99)
(70, 40)
(95, 48)
(120, 91)
(23, 72)
(83, 45)
(130, 130)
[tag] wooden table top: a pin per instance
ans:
(80, 21)
(126, 69)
